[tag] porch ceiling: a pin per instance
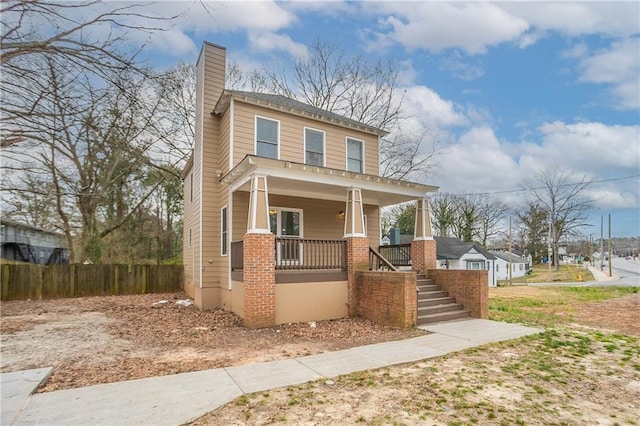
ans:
(302, 180)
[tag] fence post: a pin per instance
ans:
(144, 279)
(40, 288)
(5, 282)
(72, 279)
(116, 276)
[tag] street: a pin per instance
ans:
(627, 271)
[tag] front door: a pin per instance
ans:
(287, 225)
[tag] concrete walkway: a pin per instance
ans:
(180, 398)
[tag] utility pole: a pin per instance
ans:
(610, 272)
(549, 253)
(510, 248)
(601, 243)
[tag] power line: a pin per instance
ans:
(512, 191)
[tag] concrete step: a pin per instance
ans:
(424, 295)
(422, 277)
(441, 317)
(436, 309)
(435, 301)
(429, 287)
(421, 281)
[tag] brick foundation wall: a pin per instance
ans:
(387, 298)
(259, 267)
(357, 260)
(470, 288)
(423, 255)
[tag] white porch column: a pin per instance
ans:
(354, 217)
(258, 221)
(422, 230)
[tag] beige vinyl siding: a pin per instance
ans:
(213, 266)
(239, 215)
(223, 156)
(320, 217)
(292, 137)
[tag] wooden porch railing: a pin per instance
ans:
(377, 262)
(397, 254)
(306, 253)
(300, 254)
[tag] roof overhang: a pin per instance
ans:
(227, 95)
(303, 180)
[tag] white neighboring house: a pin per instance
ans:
(519, 266)
(453, 253)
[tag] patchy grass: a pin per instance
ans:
(561, 376)
(547, 306)
(566, 273)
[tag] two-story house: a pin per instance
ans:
(27, 243)
(282, 204)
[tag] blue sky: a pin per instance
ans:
(506, 88)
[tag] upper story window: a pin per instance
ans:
(267, 137)
(355, 155)
(314, 147)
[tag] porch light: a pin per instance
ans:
(341, 214)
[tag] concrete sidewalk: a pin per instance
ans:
(180, 398)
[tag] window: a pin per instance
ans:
(314, 147)
(355, 157)
(267, 137)
(191, 186)
(476, 265)
(190, 241)
(224, 236)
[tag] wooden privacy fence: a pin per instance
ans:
(21, 282)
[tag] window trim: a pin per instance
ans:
(224, 231)
(324, 145)
(255, 134)
(346, 146)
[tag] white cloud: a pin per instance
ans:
(435, 26)
(477, 163)
(619, 66)
(578, 51)
(595, 147)
(267, 41)
(426, 107)
(461, 69)
(617, 19)
(205, 17)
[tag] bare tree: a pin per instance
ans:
(468, 217)
(443, 213)
(491, 213)
(83, 35)
(563, 201)
(92, 143)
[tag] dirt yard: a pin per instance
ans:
(108, 339)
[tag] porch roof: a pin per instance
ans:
(304, 180)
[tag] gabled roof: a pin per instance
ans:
(505, 256)
(455, 248)
(283, 103)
